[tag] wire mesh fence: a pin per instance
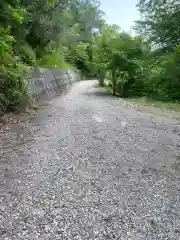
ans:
(49, 82)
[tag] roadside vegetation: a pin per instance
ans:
(73, 33)
(51, 33)
(146, 65)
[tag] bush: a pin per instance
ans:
(12, 72)
(54, 60)
(27, 53)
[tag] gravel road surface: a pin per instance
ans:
(90, 167)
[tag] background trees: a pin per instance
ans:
(160, 26)
(117, 54)
(148, 64)
(73, 33)
(53, 33)
(160, 22)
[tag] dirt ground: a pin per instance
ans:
(90, 166)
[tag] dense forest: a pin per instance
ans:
(73, 33)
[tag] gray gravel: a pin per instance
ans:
(90, 166)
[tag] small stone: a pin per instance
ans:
(3, 120)
(47, 228)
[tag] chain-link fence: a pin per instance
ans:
(49, 81)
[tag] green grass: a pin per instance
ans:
(158, 108)
(166, 109)
(157, 104)
(145, 101)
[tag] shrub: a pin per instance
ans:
(12, 72)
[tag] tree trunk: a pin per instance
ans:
(102, 77)
(101, 82)
(114, 82)
(122, 85)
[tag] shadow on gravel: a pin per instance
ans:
(98, 92)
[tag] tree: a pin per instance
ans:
(160, 22)
(54, 33)
(118, 53)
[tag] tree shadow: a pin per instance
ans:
(98, 92)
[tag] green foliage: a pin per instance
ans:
(11, 72)
(145, 65)
(54, 60)
(64, 33)
(118, 53)
(160, 22)
(26, 52)
(52, 33)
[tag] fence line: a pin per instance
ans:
(49, 81)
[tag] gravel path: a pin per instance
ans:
(90, 166)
